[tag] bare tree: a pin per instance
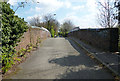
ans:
(35, 21)
(21, 4)
(117, 5)
(67, 25)
(106, 16)
(48, 17)
(49, 21)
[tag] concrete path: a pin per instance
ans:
(59, 58)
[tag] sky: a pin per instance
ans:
(82, 13)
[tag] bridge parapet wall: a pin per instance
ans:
(105, 39)
(31, 37)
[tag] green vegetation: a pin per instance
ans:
(52, 32)
(13, 28)
(21, 52)
(65, 28)
(49, 22)
(63, 34)
(29, 49)
(38, 41)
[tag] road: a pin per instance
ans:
(60, 58)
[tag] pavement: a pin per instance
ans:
(108, 59)
(60, 58)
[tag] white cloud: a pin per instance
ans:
(70, 14)
(77, 0)
(38, 9)
(47, 6)
(30, 17)
(91, 6)
(50, 5)
(78, 7)
(67, 17)
(67, 4)
(86, 21)
(12, 2)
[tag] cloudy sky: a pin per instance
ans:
(83, 13)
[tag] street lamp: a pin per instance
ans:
(54, 16)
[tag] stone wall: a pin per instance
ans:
(31, 37)
(106, 39)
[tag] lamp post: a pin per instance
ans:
(54, 16)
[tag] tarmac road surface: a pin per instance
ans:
(60, 58)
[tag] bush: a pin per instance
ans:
(13, 28)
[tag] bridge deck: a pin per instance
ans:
(60, 58)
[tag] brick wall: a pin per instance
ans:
(106, 39)
(31, 37)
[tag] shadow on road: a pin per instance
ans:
(71, 60)
(80, 67)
